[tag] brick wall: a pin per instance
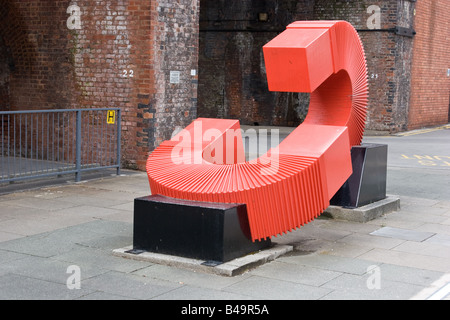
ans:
(105, 62)
(388, 56)
(166, 62)
(232, 81)
(120, 55)
(124, 55)
(5, 70)
(175, 32)
(35, 69)
(37, 45)
(112, 61)
(430, 88)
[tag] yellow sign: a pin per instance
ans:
(111, 117)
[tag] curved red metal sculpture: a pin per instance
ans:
(293, 183)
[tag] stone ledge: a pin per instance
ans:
(365, 213)
(230, 268)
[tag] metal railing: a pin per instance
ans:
(44, 143)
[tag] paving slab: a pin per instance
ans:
(7, 236)
(16, 287)
(403, 234)
(48, 269)
(327, 262)
(440, 239)
(370, 242)
(128, 285)
(192, 292)
(438, 290)
(101, 295)
(295, 272)
(407, 274)
(355, 287)
(408, 259)
(42, 234)
(190, 278)
(8, 256)
(39, 203)
(265, 288)
(90, 257)
(425, 248)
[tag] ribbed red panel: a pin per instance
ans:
(293, 183)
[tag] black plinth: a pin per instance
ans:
(367, 184)
(199, 230)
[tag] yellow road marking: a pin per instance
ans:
(422, 131)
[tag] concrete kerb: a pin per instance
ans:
(365, 213)
(231, 268)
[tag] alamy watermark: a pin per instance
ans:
(374, 21)
(226, 148)
(73, 282)
(373, 282)
(74, 20)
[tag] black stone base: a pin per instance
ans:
(367, 184)
(213, 232)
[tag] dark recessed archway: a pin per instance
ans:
(35, 68)
(15, 50)
(232, 79)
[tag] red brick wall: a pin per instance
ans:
(388, 56)
(45, 65)
(34, 35)
(430, 88)
(120, 56)
(36, 67)
(5, 70)
(232, 81)
(112, 61)
(149, 39)
(232, 78)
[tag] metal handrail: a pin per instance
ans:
(43, 143)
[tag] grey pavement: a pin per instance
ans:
(54, 235)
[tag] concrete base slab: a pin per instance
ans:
(365, 213)
(230, 268)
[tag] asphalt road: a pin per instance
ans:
(418, 162)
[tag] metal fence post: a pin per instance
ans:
(119, 131)
(78, 147)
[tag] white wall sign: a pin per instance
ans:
(175, 77)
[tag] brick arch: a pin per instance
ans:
(40, 70)
(21, 51)
(16, 52)
(6, 64)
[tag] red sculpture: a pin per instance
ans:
(293, 183)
